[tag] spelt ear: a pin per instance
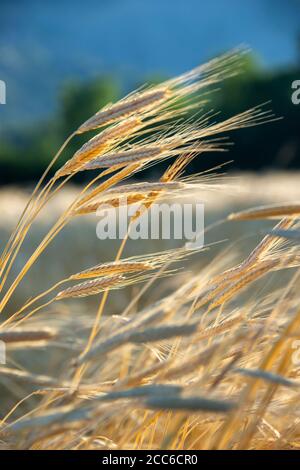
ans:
(99, 144)
(267, 212)
(138, 103)
(182, 376)
(88, 288)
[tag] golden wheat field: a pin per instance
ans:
(146, 344)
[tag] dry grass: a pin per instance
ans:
(194, 361)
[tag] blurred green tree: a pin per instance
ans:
(79, 101)
(24, 154)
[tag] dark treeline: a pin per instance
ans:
(25, 153)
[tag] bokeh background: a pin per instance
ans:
(62, 60)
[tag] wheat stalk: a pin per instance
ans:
(27, 335)
(86, 289)
(244, 281)
(153, 347)
(139, 102)
(98, 144)
(267, 212)
(190, 404)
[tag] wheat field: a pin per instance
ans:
(149, 345)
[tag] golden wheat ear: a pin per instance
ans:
(139, 102)
(267, 212)
(99, 144)
(205, 382)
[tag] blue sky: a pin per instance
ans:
(44, 43)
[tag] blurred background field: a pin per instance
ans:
(78, 246)
(61, 64)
